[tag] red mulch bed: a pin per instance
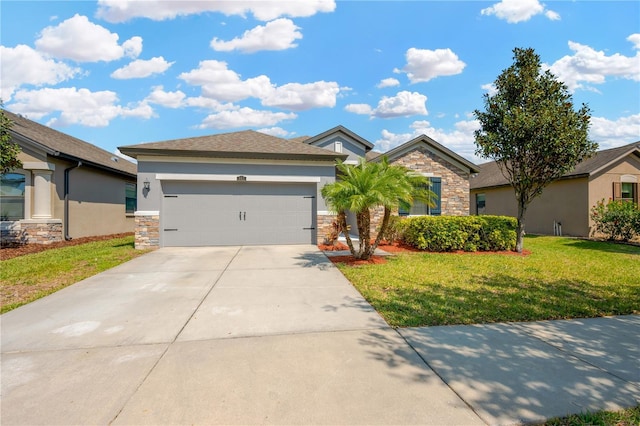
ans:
(398, 247)
(9, 252)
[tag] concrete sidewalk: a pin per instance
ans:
(276, 335)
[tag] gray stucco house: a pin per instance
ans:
(247, 187)
(67, 188)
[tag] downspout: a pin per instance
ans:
(66, 199)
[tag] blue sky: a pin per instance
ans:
(122, 72)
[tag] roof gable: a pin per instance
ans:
(433, 146)
(490, 174)
(60, 144)
(243, 144)
(368, 146)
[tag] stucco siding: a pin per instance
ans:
(565, 201)
(355, 151)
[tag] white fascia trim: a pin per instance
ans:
(38, 165)
(147, 213)
(234, 178)
(325, 213)
(352, 162)
(163, 159)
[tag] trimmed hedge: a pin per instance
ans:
(467, 233)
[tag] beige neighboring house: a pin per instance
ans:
(66, 188)
(564, 206)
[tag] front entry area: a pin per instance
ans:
(237, 213)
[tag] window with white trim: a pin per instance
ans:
(131, 197)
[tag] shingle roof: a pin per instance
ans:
(243, 144)
(368, 145)
(491, 176)
(64, 145)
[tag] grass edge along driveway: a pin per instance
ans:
(562, 278)
(27, 278)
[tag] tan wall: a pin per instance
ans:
(601, 184)
(96, 202)
(565, 201)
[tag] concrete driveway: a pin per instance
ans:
(227, 335)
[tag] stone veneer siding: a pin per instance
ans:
(147, 231)
(455, 194)
(32, 231)
(455, 182)
(324, 226)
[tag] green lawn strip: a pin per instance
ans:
(627, 417)
(561, 278)
(27, 278)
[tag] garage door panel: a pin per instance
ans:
(217, 213)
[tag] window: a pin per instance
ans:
(421, 209)
(625, 191)
(131, 198)
(480, 204)
(12, 187)
(337, 146)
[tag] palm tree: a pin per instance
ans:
(361, 187)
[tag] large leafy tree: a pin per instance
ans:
(530, 128)
(366, 186)
(8, 149)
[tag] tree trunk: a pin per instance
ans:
(363, 234)
(522, 209)
(342, 220)
(383, 227)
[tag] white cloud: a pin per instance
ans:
(142, 68)
(490, 88)
(159, 10)
(460, 140)
(280, 34)
(424, 65)
(514, 11)
(388, 82)
(22, 65)
(589, 66)
(403, 104)
(244, 117)
(362, 109)
(300, 97)
(635, 39)
(76, 106)
(222, 84)
(614, 133)
(275, 131)
(80, 40)
(166, 99)
(208, 103)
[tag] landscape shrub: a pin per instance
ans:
(467, 233)
(394, 230)
(617, 220)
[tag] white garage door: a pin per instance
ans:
(237, 213)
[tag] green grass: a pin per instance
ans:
(27, 278)
(628, 417)
(561, 278)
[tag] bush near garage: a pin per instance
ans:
(459, 233)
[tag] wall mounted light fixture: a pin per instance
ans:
(147, 184)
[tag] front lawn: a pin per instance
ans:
(27, 278)
(561, 278)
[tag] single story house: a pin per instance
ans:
(66, 188)
(247, 187)
(565, 205)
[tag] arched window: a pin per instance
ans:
(12, 187)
